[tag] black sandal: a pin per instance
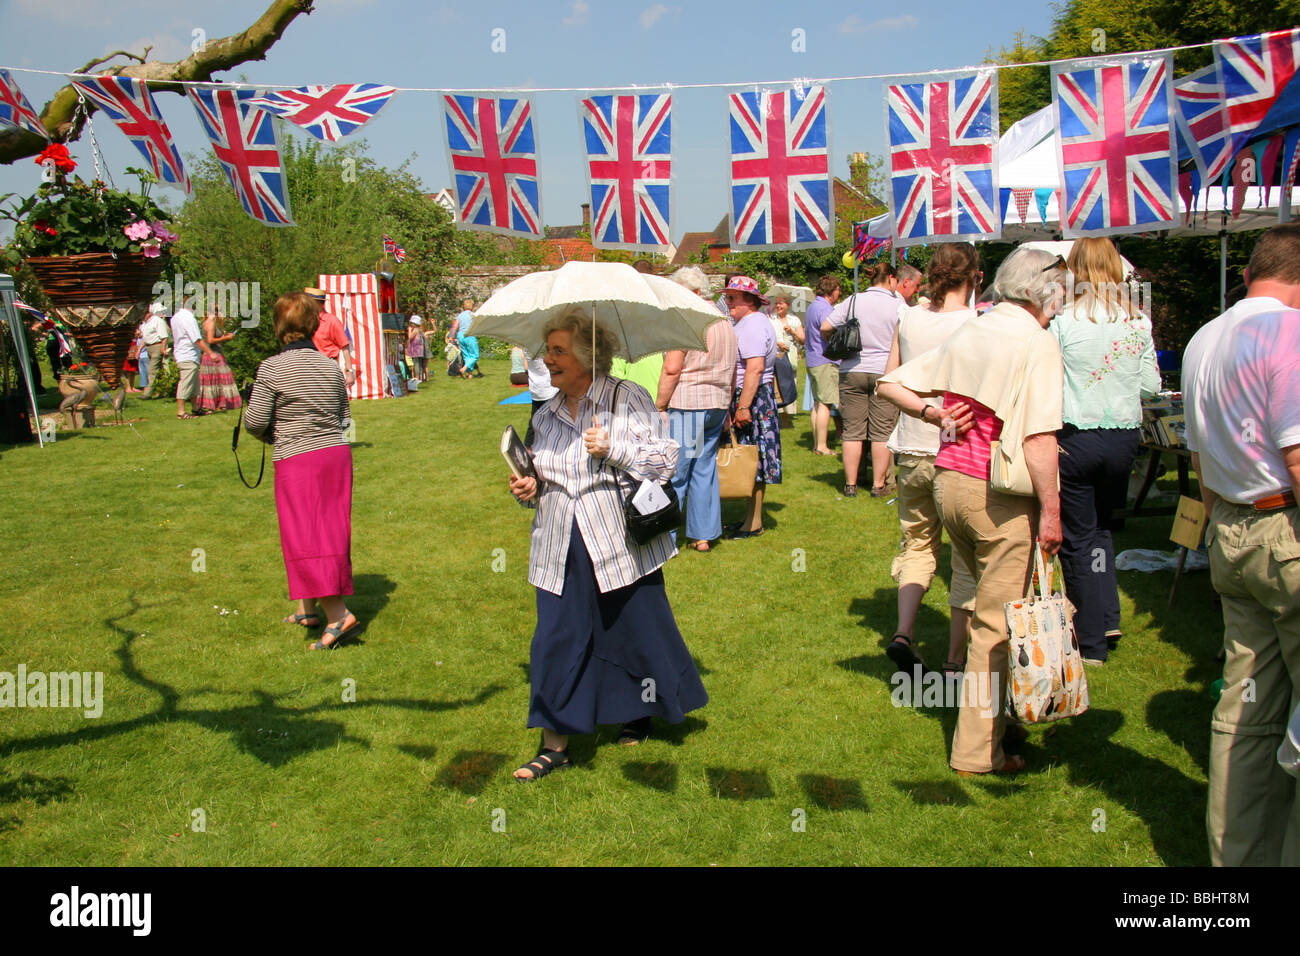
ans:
(634, 732)
(545, 762)
(901, 652)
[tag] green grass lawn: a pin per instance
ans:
(229, 714)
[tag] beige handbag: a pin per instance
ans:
(737, 469)
(1009, 474)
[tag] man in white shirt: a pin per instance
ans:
(154, 333)
(187, 342)
(1241, 392)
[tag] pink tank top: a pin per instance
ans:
(970, 453)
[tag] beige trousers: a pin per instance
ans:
(922, 534)
(1253, 817)
(991, 533)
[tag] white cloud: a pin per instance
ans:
(652, 15)
(578, 15)
(855, 24)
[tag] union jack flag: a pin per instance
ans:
(328, 112)
(492, 152)
(629, 166)
(1116, 145)
(780, 169)
(1255, 70)
(247, 145)
(1202, 121)
(943, 150)
(391, 248)
(131, 106)
(15, 110)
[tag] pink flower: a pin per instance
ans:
(164, 234)
(137, 230)
(151, 250)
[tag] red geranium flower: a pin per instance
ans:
(59, 153)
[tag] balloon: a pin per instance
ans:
(848, 260)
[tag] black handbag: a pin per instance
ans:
(246, 394)
(645, 528)
(844, 341)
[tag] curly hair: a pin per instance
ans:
(578, 323)
(953, 265)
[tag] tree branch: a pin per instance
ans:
(138, 58)
(60, 114)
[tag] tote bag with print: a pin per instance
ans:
(1047, 678)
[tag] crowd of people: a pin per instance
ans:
(950, 399)
(1013, 427)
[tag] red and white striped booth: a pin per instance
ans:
(355, 300)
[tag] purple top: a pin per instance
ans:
(813, 343)
(754, 337)
(877, 313)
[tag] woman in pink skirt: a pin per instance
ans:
(217, 391)
(299, 404)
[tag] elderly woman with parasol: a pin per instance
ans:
(606, 649)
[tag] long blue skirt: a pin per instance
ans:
(608, 658)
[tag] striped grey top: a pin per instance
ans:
(299, 402)
(573, 484)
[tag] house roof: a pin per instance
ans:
(689, 247)
(556, 251)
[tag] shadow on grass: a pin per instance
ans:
(933, 793)
(830, 793)
(470, 771)
(1152, 790)
(739, 784)
(30, 787)
(661, 775)
(266, 730)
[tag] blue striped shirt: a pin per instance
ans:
(572, 484)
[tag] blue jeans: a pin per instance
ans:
(143, 359)
(696, 480)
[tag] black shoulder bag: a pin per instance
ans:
(645, 528)
(844, 341)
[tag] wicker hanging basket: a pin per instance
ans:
(97, 278)
(101, 300)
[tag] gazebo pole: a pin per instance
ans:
(1223, 271)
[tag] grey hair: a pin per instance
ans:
(577, 322)
(908, 271)
(693, 278)
(1026, 276)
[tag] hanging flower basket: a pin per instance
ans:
(96, 253)
(96, 278)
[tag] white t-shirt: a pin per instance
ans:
(154, 330)
(185, 332)
(539, 379)
(919, 331)
(1241, 398)
(877, 312)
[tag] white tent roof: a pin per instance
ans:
(1027, 160)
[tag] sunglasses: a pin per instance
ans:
(1058, 264)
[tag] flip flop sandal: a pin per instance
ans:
(302, 619)
(545, 762)
(336, 631)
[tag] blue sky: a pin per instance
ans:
(571, 43)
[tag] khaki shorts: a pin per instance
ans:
(825, 383)
(922, 534)
(188, 386)
(866, 416)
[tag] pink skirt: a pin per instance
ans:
(313, 499)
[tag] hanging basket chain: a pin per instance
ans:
(97, 157)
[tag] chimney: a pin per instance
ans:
(859, 171)
(586, 216)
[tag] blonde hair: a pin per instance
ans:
(579, 324)
(1097, 267)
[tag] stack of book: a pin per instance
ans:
(1162, 421)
